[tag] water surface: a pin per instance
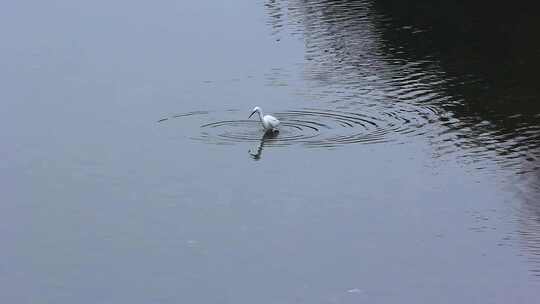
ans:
(406, 168)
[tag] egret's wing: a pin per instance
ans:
(273, 121)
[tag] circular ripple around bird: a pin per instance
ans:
(322, 128)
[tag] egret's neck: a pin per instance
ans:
(260, 115)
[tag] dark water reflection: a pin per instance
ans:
(488, 92)
(489, 63)
(477, 66)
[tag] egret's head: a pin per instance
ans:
(255, 110)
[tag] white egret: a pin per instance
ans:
(269, 122)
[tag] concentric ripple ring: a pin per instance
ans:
(319, 128)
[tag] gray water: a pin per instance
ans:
(406, 169)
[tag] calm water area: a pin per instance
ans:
(406, 169)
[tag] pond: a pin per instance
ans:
(406, 167)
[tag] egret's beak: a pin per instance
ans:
(252, 114)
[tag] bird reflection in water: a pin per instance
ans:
(267, 136)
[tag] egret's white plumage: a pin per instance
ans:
(269, 122)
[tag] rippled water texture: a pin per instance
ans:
(477, 71)
(375, 74)
(379, 52)
(316, 127)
